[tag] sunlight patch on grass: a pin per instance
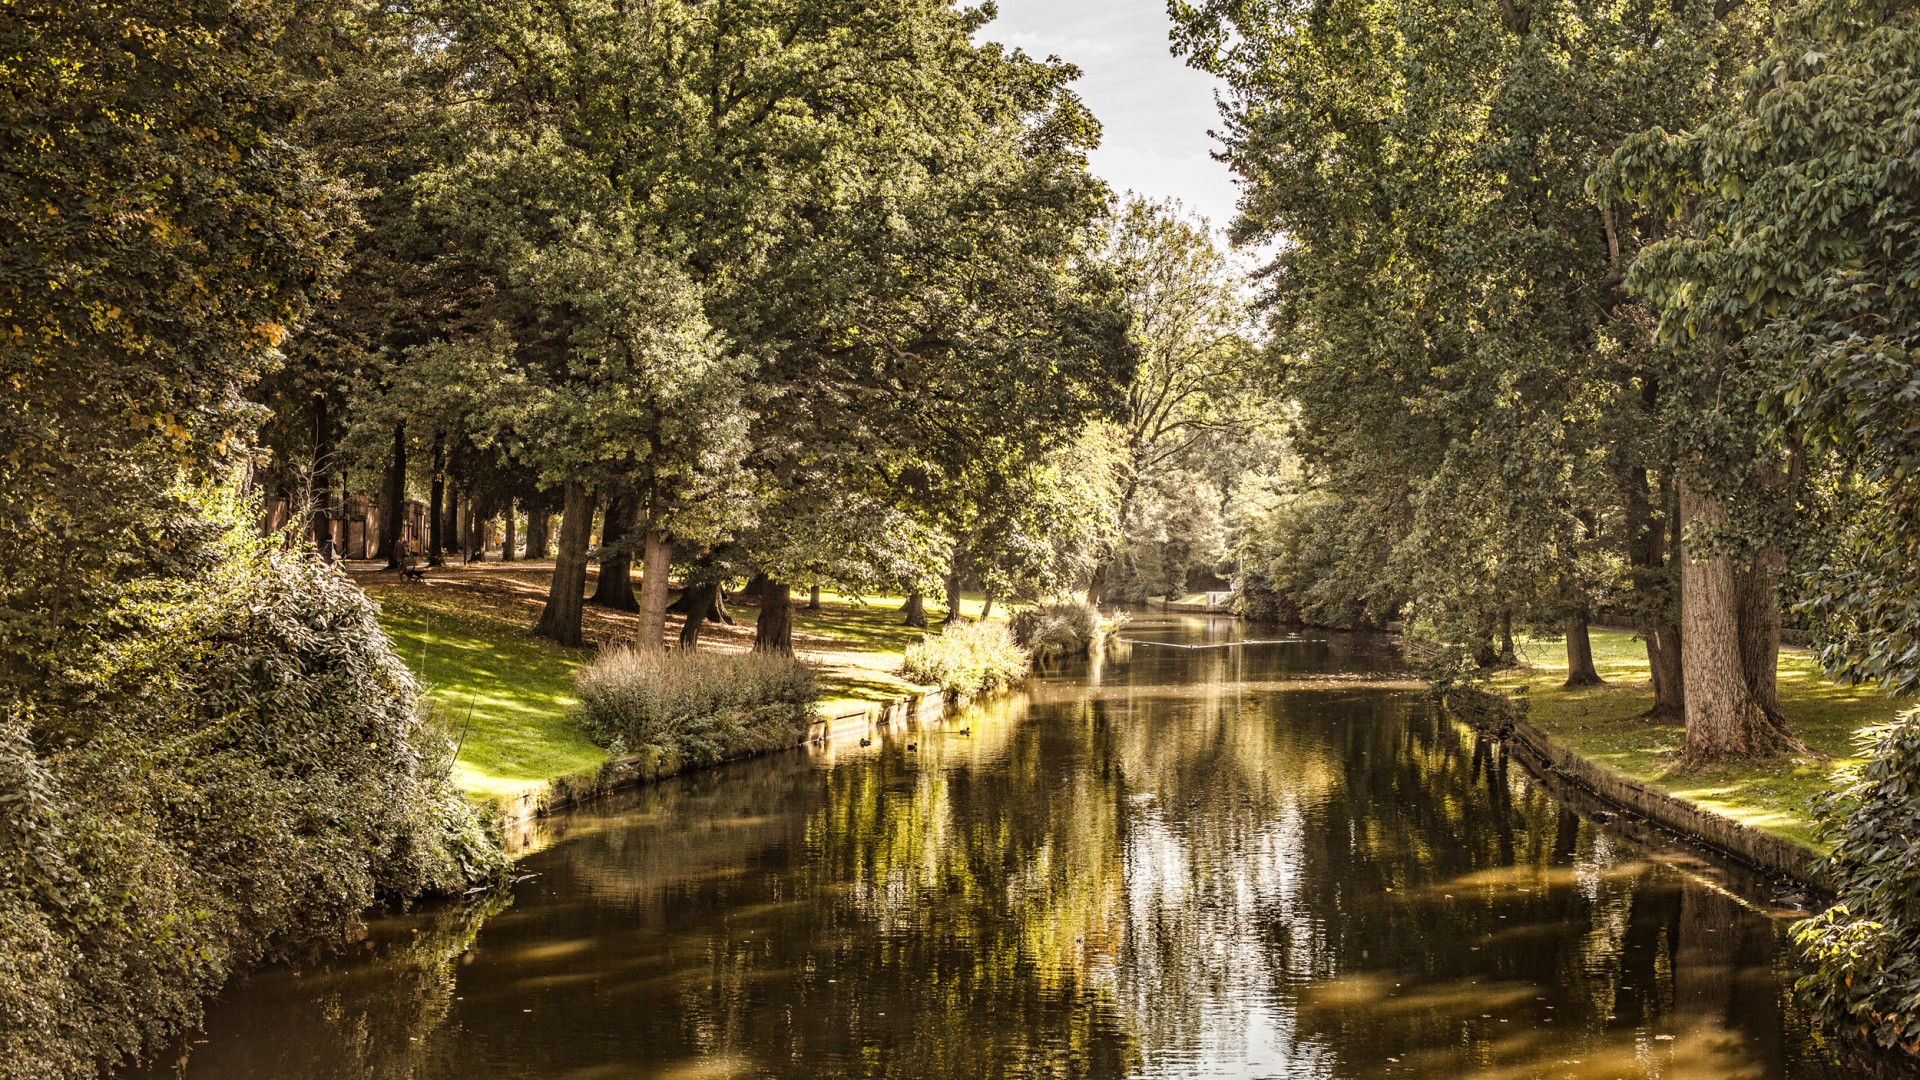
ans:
(1607, 725)
(510, 692)
(504, 693)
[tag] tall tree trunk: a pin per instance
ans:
(436, 505)
(1580, 669)
(701, 597)
(393, 496)
(914, 611)
(320, 514)
(813, 598)
(1674, 658)
(539, 528)
(1509, 656)
(1759, 589)
(616, 571)
(451, 528)
(953, 589)
(986, 606)
(509, 541)
(560, 619)
(1667, 663)
(1654, 584)
(754, 584)
(1722, 718)
(720, 613)
(1097, 588)
(773, 633)
(656, 564)
(476, 532)
(1759, 602)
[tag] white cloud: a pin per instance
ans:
(1154, 110)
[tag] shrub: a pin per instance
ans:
(1865, 967)
(695, 708)
(1057, 631)
(243, 772)
(967, 658)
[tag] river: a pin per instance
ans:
(1256, 860)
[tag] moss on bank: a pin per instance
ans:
(1605, 724)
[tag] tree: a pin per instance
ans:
(1194, 381)
(378, 115)
(1048, 531)
(1787, 278)
(1471, 380)
(767, 161)
(167, 683)
(136, 308)
(1764, 279)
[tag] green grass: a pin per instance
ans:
(1193, 598)
(519, 688)
(1604, 724)
(472, 650)
(863, 667)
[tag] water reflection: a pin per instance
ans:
(1268, 860)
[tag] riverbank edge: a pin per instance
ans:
(516, 818)
(1769, 854)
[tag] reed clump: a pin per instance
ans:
(967, 658)
(683, 709)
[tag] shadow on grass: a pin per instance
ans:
(505, 693)
(464, 632)
(1606, 724)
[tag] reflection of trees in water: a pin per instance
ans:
(1420, 899)
(374, 1015)
(1480, 928)
(946, 912)
(1216, 790)
(982, 903)
(1173, 871)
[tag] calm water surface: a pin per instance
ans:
(1270, 860)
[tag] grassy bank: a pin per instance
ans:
(477, 660)
(1604, 724)
(463, 631)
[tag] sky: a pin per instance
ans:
(1154, 111)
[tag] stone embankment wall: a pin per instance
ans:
(1758, 849)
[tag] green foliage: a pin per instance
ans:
(684, 709)
(246, 773)
(218, 757)
(631, 386)
(1473, 390)
(158, 242)
(1866, 969)
(1787, 281)
(967, 658)
(1197, 419)
(1051, 522)
(1856, 590)
(1059, 631)
(1795, 211)
(1302, 566)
